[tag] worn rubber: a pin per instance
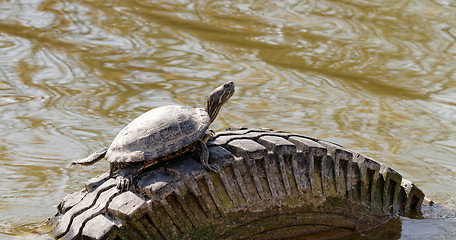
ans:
(270, 185)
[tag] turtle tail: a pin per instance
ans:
(93, 158)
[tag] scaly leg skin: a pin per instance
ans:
(93, 158)
(204, 156)
(209, 133)
(125, 175)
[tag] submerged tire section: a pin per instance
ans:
(270, 185)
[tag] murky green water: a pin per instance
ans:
(377, 77)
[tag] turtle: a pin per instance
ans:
(159, 135)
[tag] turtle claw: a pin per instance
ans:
(123, 183)
(211, 168)
(74, 163)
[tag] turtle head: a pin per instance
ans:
(217, 98)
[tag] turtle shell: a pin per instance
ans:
(158, 132)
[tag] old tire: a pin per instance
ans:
(270, 185)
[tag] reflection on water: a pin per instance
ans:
(375, 77)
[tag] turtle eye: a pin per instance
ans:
(225, 85)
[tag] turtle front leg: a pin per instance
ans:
(209, 133)
(204, 155)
